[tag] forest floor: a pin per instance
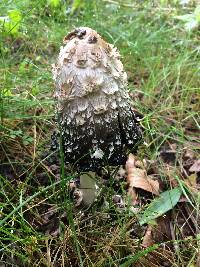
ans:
(41, 223)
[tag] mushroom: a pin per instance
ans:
(96, 123)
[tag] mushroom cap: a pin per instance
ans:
(93, 109)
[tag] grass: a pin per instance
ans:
(162, 62)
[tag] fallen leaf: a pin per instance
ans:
(191, 180)
(159, 206)
(138, 178)
(133, 195)
(148, 238)
(173, 146)
(141, 164)
(162, 231)
(195, 167)
(189, 154)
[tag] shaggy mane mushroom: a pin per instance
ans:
(93, 109)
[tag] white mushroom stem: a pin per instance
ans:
(88, 187)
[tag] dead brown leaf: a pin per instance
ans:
(189, 154)
(148, 238)
(195, 167)
(133, 195)
(138, 178)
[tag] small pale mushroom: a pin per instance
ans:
(94, 115)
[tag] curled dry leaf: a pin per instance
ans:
(138, 178)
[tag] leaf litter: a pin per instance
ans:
(155, 210)
(138, 178)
